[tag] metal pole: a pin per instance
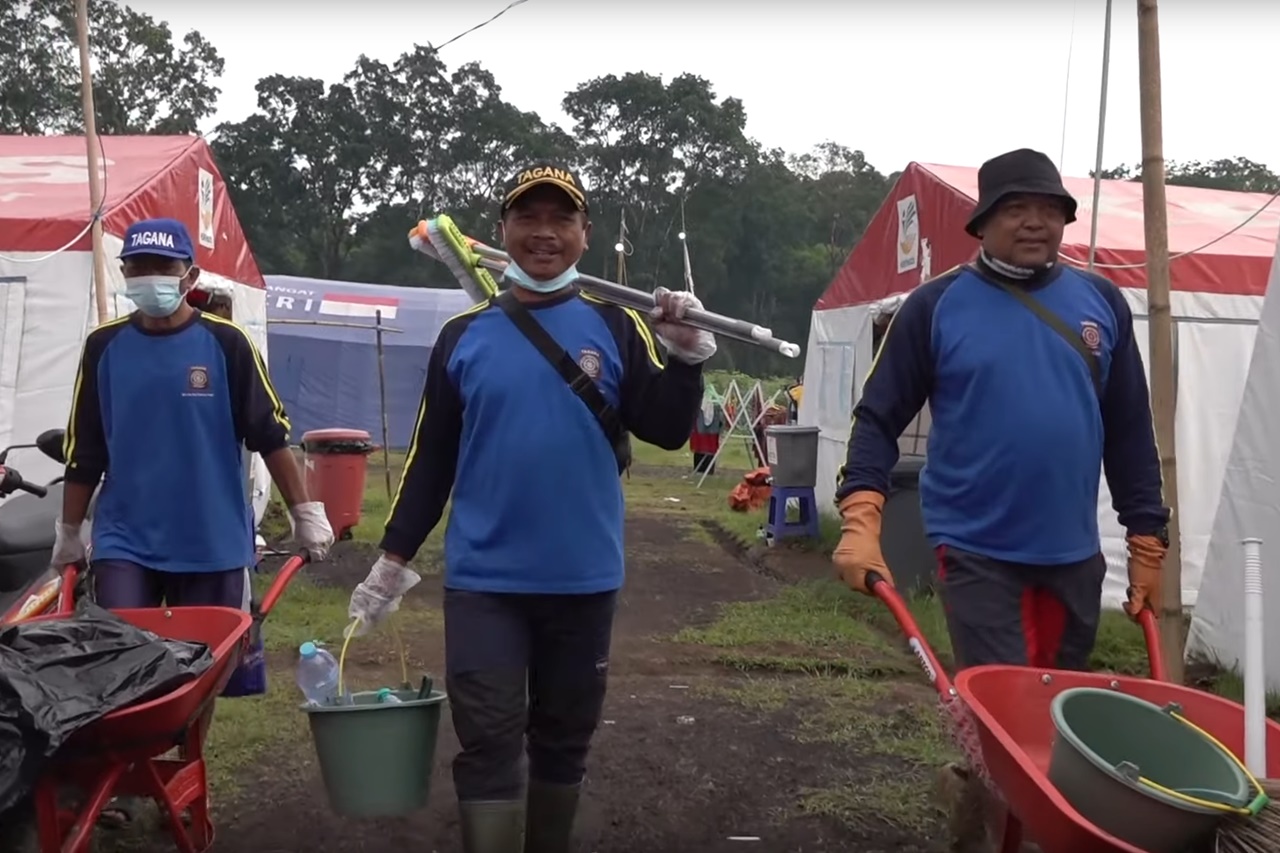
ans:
(1160, 326)
(95, 166)
(382, 392)
(1102, 133)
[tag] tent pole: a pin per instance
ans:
(1102, 133)
(95, 166)
(1160, 325)
(382, 392)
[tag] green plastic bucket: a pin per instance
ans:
(1106, 741)
(375, 758)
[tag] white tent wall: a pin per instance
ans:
(44, 312)
(1213, 341)
(836, 363)
(1249, 506)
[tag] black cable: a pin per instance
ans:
(505, 10)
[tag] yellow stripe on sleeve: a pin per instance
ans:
(69, 439)
(422, 415)
(277, 406)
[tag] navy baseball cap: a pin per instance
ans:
(165, 237)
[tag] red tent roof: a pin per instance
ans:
(1238, 263)
(44, 195)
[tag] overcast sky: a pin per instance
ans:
(925, 80)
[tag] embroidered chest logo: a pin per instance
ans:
(1091, 335)
(197, 382)
(589, 360)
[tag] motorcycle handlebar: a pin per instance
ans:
(11, 481)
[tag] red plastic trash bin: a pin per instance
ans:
(336, 464)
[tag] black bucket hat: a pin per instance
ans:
(1018, 172)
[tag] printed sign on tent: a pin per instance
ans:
(344, 305)
(205, 199)
(908, 234)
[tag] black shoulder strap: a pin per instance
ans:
(1053, 321)
(578, 381)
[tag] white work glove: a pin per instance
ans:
(378, 595)
(310, 529)
(68, 545)
(690, 345)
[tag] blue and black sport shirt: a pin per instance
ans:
(161, 418)
(1020, 434)
(537, 502)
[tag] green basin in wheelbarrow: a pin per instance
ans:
(1107, 742)
(376, 758)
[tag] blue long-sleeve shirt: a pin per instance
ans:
(537, 503)
(1019, 433)
(161, 417)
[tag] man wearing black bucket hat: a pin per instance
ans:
(1035, 384)
(528, 400)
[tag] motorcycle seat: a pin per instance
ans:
(27, 522)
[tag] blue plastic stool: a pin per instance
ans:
(777, 527)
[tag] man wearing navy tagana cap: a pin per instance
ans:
(165, 400)
(533, 551)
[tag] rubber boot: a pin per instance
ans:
(492, 826)
(550, 817)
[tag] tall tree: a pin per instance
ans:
(331, 179)
(1235, 173)
(644, 144)
(143, 82)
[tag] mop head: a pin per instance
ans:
(1258, 833)
(439, 238)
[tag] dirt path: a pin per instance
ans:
(677, 766)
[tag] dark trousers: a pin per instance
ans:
(704, 462)
(1022, 615)
(123, 584)
(524, 674)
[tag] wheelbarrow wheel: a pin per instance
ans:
(972, 813)
(962, 800)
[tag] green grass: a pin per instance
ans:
(828, 663)
(807, 628)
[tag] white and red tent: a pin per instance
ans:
(47, 304)
(1249, 508)
(1222, 250)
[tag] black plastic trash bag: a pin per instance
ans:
(58, 676)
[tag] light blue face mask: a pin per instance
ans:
(523, 279)
(155, 295)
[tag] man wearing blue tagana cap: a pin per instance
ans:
(165, 401)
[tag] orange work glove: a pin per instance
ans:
(1146, 558)
(859, 548)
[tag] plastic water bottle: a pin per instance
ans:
(317, 675)
(386, 697)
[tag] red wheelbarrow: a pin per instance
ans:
(1008, 708)
(120, 754)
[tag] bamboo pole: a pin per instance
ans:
(1160, 324)
(1102, 135)
(382, 393)
(94, 162)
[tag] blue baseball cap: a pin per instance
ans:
(165, 237)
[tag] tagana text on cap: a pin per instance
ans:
(165, 237)
(545, 173)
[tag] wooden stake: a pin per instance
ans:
(1160, 324)
(382, 394)
(95, 164)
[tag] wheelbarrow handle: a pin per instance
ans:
(290, 568)
(884, 591)
(1151, 634)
